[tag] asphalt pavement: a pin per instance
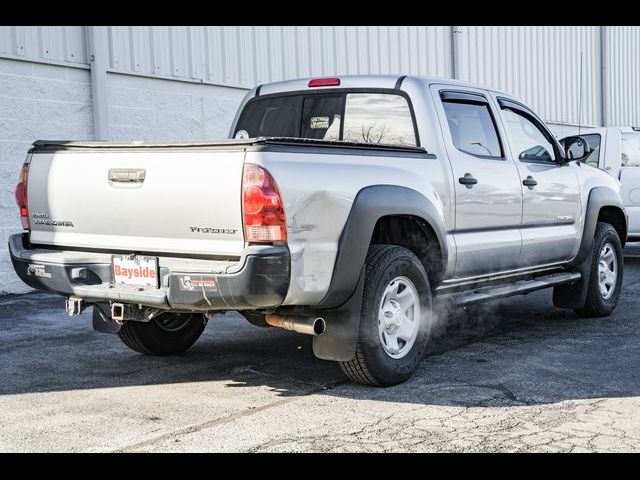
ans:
(517, 375)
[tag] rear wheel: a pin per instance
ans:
(394, 319)
(167, 334)
(605, 277)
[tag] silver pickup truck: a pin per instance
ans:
(351, 209)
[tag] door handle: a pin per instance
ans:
(529, 182)
(468, 180)
(127, 175)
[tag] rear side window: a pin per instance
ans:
(371, 118)
(472, 129)
(631, 149)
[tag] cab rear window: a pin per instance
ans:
(371, 118)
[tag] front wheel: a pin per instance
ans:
(605, 277)
(167, 334)
(394, 318)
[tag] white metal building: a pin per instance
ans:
(171, 83)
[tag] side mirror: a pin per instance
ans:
(577, 148)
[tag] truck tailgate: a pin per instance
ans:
(165, 200)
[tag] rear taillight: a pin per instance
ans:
(262, 209)
(21, 196)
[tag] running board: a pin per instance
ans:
(521, 287)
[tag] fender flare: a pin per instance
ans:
(371, 204)
(599, 197)
(575, 295)
(342, 303)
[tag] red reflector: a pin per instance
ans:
(324, 82)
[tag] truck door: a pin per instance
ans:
(630, 180)
(551, 213)
(488, 197)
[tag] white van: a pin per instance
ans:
(617, 151)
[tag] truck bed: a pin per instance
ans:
(156, 197)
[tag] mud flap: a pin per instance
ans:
(102, 322)
(574, 295)
(338, 342)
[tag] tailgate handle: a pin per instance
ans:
(127, 175)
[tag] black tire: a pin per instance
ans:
(371, 364)
(596, 304)
(168, 334)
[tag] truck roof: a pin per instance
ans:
(365, 81)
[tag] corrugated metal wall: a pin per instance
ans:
(623, 75)
(540, 64)
(249, 55)
(54, 43)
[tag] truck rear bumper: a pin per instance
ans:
(260, 279)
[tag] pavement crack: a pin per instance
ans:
(222, 420)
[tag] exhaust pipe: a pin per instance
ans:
(305, 325)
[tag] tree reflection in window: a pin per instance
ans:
(377, 118)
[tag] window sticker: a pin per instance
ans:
(320, 122)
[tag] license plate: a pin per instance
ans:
(135, 270)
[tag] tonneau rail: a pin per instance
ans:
(60, 145)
